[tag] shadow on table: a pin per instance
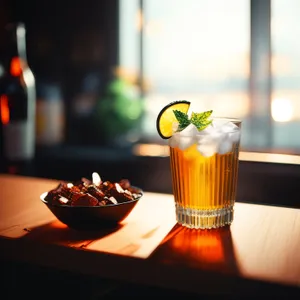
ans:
(205, 249)
(59, 233)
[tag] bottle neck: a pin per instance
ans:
(15, 50)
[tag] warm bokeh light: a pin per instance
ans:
(281, 64)
(139, 20)
(4, 109)
(282, 110)
(150, 150)
(15, 67)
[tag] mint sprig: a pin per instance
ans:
(182, 118)
(200, 120)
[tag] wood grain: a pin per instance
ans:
(261, 245)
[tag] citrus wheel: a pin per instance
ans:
(166, 117)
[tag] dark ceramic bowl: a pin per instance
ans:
(91, 217)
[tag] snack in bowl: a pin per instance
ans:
(88, 203)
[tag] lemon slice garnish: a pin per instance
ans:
(166, 119)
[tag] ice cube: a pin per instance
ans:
(225, 146)
(217, 137)
(219, 123)
(205, 139)
(229, 127)
(208, 144)
(185, 138)
(190, 130)
(234, 136)
(207, 150)
(174, 140)
(208, 130)
(186, 142)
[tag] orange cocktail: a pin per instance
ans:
(204, 185)
(204, 153)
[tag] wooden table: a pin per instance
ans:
(260, 251)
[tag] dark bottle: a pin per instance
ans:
(17, 99)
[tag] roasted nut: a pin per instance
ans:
(85, 192)
(84, 200)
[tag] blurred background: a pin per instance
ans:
(104, 69)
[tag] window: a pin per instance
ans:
(286, 73)
(221, 55)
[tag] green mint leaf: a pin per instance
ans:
(204, 124)
(182, 119)
(200, 120)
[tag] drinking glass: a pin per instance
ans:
(205, 177)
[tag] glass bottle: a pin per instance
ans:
(17, 98)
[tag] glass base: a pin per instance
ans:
(204, 219)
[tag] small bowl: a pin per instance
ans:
(91, 217)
